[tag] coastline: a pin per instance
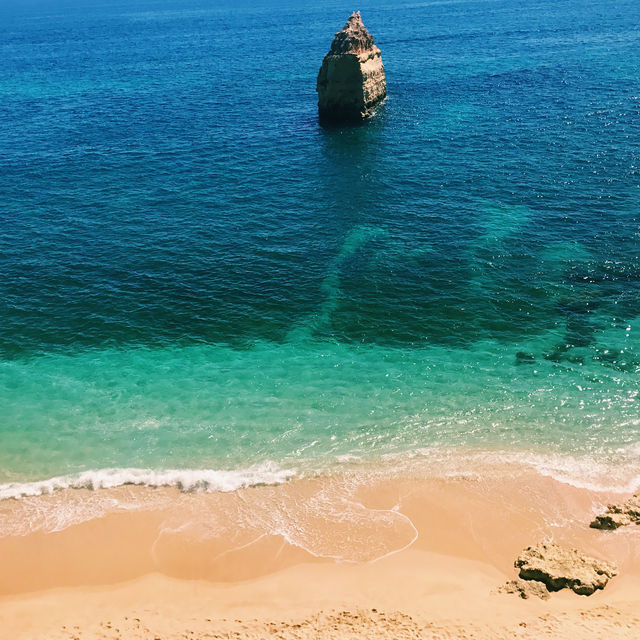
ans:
(418, 546)
(263, 378)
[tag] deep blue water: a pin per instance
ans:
(195, 274)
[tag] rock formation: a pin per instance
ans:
(559, 568)
(351, 81)
(619, 515)
(525, 588)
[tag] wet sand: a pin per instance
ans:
(335, 557)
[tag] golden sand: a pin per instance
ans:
(401, 557)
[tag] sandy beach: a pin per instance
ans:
(428, 556)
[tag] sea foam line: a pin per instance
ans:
(203, 480)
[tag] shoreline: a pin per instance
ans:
(411, 545)
(605, 472)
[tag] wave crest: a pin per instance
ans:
(187, 480)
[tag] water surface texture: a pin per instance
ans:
(195, 275)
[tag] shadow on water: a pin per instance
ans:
(352, 188)
(352, 150)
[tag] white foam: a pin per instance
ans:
(204, 480)
(616, 472)
(587, 472)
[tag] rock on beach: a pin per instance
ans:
(525, 589)
(559, 568)
(619, 515)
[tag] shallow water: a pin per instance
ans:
(195, 275)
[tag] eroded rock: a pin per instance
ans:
(351, 81)
(525, 588)
(619, 515)
(559, 568)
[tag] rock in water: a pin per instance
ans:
(351, 81)
(561, 568)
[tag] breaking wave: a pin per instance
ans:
(187, 480)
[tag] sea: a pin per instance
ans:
(203, 288)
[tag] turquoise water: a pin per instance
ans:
(194, 275)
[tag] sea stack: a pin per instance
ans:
(351, 81)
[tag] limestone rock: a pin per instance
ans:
(351, 80)
(559, 568)
(611, 521)
(619, 515)
(525, 588)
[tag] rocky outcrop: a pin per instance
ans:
(619, 515)
(351, 80)
(526, 589)
(559, 568)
